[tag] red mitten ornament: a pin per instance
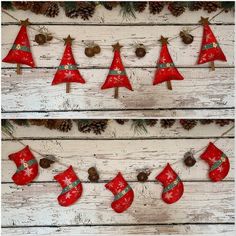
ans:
(117, 76)
(67, 71)
(218, 162)
(71, 187)
(27, 166)
(166, 69)
(20, 52)
(210, 49)
(173, 186)
(123, 193)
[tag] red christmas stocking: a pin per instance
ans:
(173, 186)
(166, 69)
(210, 49)
(123, 193)
(27, 166)
(67, 71)
(71, 187)
(117, 76)
(218, 162)
(20, 52)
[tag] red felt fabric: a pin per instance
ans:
(166, 177)
(211, 155)
(116, 186)
(27, 175)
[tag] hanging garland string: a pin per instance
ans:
(39, 30)
(58, 158)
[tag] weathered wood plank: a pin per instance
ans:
(183, 56)
(37, 205)
(111, 156)
(207, 113)
(116, 131)
(103, 16)
(216, 229)
(33, 92)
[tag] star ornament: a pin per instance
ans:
(117, 47)
(68, 40)
(204, 21)
(25, 22)
(163, 40)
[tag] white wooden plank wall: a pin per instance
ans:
(206, 207)
(201, 94)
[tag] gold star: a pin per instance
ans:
(68, 40)
(204, 21)
(25, 22)
(163, 40)
(116, 46)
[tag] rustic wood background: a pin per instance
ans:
(205, 208)
(201, 94)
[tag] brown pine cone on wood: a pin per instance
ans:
(140, 6)
(50, 9)
(64, 125)
(206, 121)
(223, 122)
(86, 10)
(121, 122)
(151, 122)
(71, 9)
(176, 8)
(21, 122)
(99, 126)
(38, 122)
(36, 7)
(211, 6)
(167, 123)
(110, 5)
(188, 124)
(51, 124)
(156, 7)
(195, 6)
(24, 5)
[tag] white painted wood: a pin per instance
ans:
(216, 229)
(182, 55)
(202, 202)
(103, 16)
(111, 156)
(126, 131)
(32, 92)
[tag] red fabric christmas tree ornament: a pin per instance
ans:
(117, 76)
(20, 52)
(71, 187)
(166, 69)
(123, 193)
(27, 166)
(210, 48)
(173, 186)
(218, 162)
(67, 71)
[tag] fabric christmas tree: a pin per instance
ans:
(27, 166)
(218, 162)
(166, 70)
(67, 71)
(117, 76)
(173, 186)
(210, 49)
(20, 52)
(123, 193)
(71, 187)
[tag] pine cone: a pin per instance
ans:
(151, 122)
(176, 8)
(188, 124)
(211, 6)
(223, 122)
(206, 121)
(64, 125)
(99, 126)
(21, 122)
(121, 122)
(22, 5)
(71, 9)
(156, 7)
(195, 6)
(140, 6)
(51, 124)
(84, 126)
(86, 9)
(142, 177)
(50, 9)
(6, 5)
(110, 5)
(36, 7)
(38, 122)
(167, 123)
